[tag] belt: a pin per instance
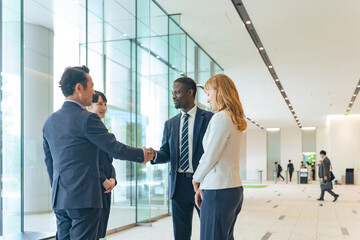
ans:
(186, 174)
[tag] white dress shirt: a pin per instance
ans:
(219, 166)
(191, 121)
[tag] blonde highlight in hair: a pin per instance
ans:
(227, 98)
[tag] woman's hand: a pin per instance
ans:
(198, 198)
(196, 185)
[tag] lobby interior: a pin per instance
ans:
(295, 65)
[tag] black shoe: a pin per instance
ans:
(320, 199)
(336, 197)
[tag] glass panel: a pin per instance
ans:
(11, 152)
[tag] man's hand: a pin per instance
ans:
(107, 184)
(198, 198)
(326, 178)
(112, 185)
(195, 185)
(149, 154)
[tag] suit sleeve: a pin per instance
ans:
(218, 136)
(163, 155)
(113, 174)
(327, 168)
(48, 159)
(98, 134)
(102, 172)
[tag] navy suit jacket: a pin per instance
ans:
(72, 139)
(107, 170)
(169, 150)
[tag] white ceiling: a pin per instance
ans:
(313, 45)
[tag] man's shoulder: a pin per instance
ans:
(205, 112)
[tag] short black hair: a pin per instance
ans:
(96, 95)
(188, 82)
(289, 160)
(71, 77)
(322, 152)
(275, 162)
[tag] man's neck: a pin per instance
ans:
(189, 107)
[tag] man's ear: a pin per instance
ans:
(191, 92)
(78, 87)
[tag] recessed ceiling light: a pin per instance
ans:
(351, 102)
(157, 57)
(173, 66)
(277, 80)
(358, 86)
(286, 98)
(289, 105)
(248, 22)
(354, 95)
(292, 110)
(270, 66)
(142, 44)
(261, 48)
(125, 35)
(348, 108)
(181, 73)
(282, 90)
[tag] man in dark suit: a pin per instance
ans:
(324, 173)
(72, 139)
(182, 146)
(290, 168)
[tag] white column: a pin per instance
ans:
(38, 105)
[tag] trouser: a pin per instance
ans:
(219, 210)
(329, 191)
(183, 204)
(76, 224)
(290, 173)
(104, 216)
(279, 175)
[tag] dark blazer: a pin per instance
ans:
(106, 168)
(72, 139)
(324, 169)
(290, 167)
(169, 150)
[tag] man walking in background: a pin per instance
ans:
(290, 168)
(325, 174)
(278, 170)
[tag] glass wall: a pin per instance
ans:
(134, 51)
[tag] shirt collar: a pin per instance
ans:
(191, 112)
(69, 100)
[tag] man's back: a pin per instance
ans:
(73, 160)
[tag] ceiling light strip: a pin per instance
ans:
(252, 121)
(353, 97)
(240, 8)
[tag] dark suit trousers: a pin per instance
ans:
(323, 193)
(183, 204)
(219, 210)
(104, 217)
(76, 224)
(290, 173)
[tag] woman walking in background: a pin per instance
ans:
(217, 179)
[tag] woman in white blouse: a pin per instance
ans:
(217, 181)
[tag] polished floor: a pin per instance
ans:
(281, 211)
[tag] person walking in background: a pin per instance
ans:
(278, 170)
(182, 146)
(302, 165)
(313, 174)
(290, 168)
(72, 137)
(308, 167)
(217, 181)
(325, 174)
(107, 170)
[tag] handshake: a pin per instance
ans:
(149, 154)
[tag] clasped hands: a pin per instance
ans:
(149, 154)
(198, 193)
(109, 185)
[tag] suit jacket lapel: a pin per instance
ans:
(199, 118)
(177, 136)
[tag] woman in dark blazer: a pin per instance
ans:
(107, 170)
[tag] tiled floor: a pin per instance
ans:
(279, 212)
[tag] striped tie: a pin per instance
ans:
(184, 155)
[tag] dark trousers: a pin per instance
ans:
(279, 175)
(290, 173)
(183, 204)
(104, 216)
(219, 210)
(323, 193)
(76, 224)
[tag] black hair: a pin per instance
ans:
(289, 160)
(96, 95)
(322, 152)
(188, 82)
(71, 77)
(275, 162)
